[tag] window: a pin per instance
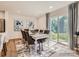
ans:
(58, 26)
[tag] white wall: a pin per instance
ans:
(60, 12)
(10, 24)
(41, 22)
(2, 14)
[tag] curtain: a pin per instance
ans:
(47, 20)
(73, 18)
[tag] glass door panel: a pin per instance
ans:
(59, 29)
(63, 29)
(53, 28)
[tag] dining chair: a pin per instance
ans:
(27, 30)
(23, 35)
(46, 31)
(41, 31)
(30, 41)
(32, 31)
(40, 42)
(36, 30)
(21, 44)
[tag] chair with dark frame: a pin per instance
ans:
(36, 30)
(40, 42)
(46, 31)
(44, 39)
(32, 31)
(24, 41)
(27, 30)
(30, 40)
(41, 31)
(24, 37)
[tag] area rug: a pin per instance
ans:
(26, 53)
(56, 50)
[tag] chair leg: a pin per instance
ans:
(39, 46)
(29, 50)
(39, 49)
(42, 46)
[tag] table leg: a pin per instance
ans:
(42, 46)
(36, 45)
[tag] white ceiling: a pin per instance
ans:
(32, 8)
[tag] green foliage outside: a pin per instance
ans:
(62, 36)
(54, 29)
(54, 26)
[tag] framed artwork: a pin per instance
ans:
(18, 24)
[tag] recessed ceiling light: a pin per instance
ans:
(50, 7)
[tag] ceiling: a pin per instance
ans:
(32, 8)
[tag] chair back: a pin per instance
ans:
(77, 33)
(23, 35)
(27, 30)
(46, 31)
(32, 31)
(41, 31)
(29, 38)
(36, 30)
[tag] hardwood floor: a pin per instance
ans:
(11, 47)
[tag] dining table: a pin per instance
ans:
(39, 36)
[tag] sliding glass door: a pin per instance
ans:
(59, 29)
(63, 29)
(53, 28)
